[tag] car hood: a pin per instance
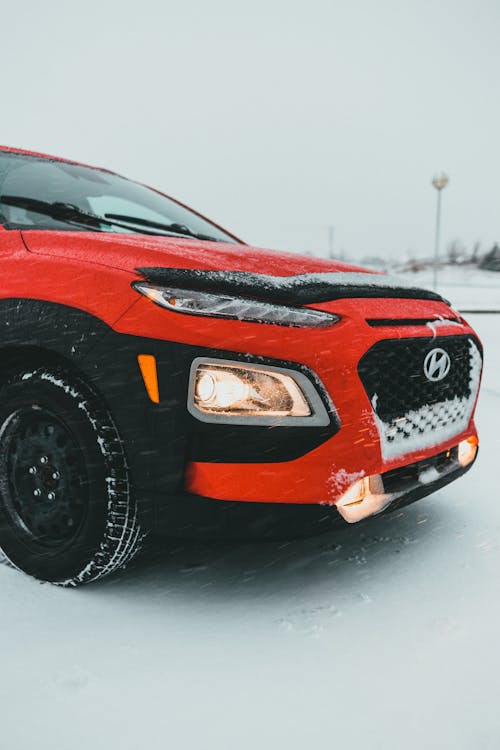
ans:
(131, 251)
(221, 266)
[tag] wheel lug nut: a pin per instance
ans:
(37, 493)
(56, 475)
(43, 459)
(51, 496)
(32, 470)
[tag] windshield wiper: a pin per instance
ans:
(65, 212)
(71, 214)
(175, 228)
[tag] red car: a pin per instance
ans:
(159, 374)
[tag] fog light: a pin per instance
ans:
(355, 494)
(467, 450)
(364, 498)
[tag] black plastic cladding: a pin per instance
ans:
(224, 443)
(107, 361)
(159, 438)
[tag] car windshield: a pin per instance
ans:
(43, 193)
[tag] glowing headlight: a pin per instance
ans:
(222, 390)
(240, 393)
(192, 302)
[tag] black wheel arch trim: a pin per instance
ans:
(159, 438)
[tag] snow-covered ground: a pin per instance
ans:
(382, 636)
(467, 287)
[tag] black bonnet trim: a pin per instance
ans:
(304, 289)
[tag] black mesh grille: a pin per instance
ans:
(392, 373)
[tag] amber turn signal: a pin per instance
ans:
(147, 364)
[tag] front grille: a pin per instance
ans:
(411, 411)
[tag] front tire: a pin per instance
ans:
(68, 513)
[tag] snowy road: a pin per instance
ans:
(384, 636)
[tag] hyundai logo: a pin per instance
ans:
(437, 365)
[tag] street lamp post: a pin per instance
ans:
(439, 183)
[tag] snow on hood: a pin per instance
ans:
(300, 289)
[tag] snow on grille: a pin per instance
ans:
(432, 424)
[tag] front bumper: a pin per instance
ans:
(189, 515)
(281, 465)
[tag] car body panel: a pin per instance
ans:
(70, 293)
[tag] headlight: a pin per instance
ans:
(240, 393)
(192, 302)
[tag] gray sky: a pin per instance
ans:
(275, 118)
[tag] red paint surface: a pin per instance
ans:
(93, 272)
